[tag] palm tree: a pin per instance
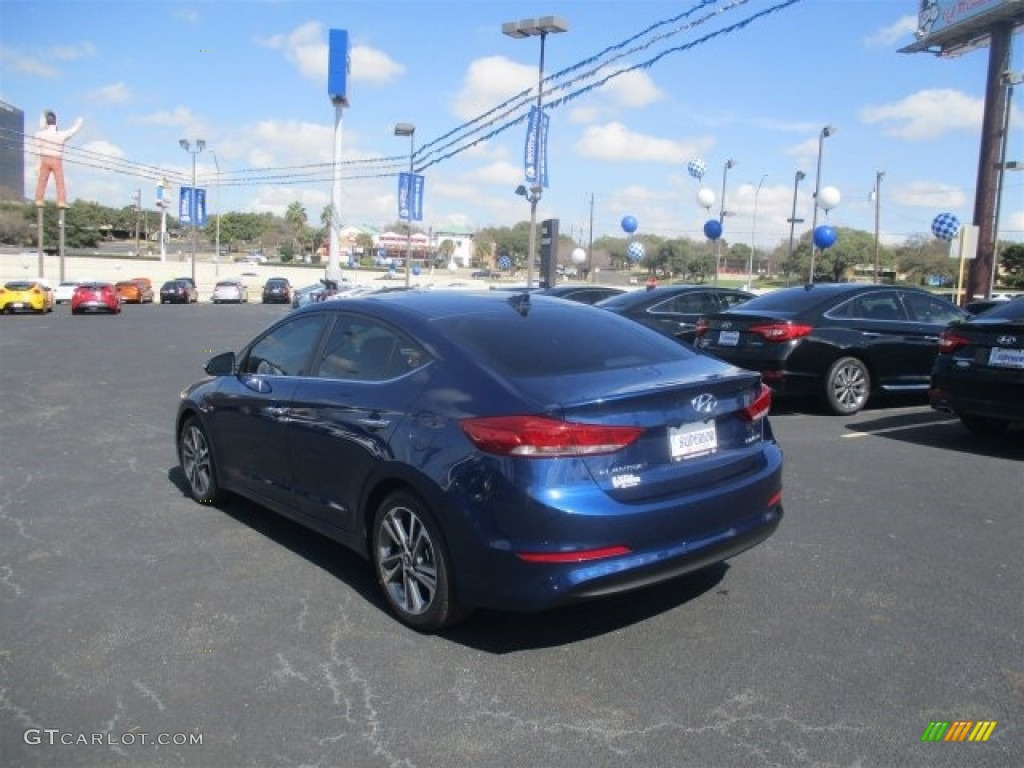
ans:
(295, 217)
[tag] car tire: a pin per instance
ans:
(984, 426)
(847, 386)
(195, 456)
(412, 565)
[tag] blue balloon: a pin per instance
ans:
(629, 224)
(945, 226)
(416, 269)
(713, 229)
(824, 236)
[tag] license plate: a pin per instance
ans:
(1006, 358)
(692, 440)
(19, 305)
(728, 338)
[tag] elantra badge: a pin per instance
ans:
(1006, 341)
(704, 404)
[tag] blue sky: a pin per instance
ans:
(250, 79)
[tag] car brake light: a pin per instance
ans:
(950, 342)
(758, 409)
(781, 331)
(577, 556)
(539, 437)
(702, 327)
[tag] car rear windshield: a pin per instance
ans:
(788, 300)
(546, 342)
(18, 286)
(1010, 310)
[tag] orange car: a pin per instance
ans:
(135, 291)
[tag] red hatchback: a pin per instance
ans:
(95, 297)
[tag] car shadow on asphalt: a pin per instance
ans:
(941, 430)
(496, 632)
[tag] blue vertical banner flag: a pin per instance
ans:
(410, 196)
(535, 156)
(185, 205)
(192, 206)
(199, 211)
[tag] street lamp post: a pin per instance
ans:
(793, 220)
(878, 214)
(1008, 79)
(540, 27)
(722, 213)
(753, 233)
(216, 252)
(200, 145)
(408, 129)
(827, 131)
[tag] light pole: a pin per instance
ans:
(793, 220)
(878, 212)
(408, 129)
(200, 145)
(722, 213)
(540, 27)
(216, 252)
(753, 232)
(827, 131)
(1008, 79)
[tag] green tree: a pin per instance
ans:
(295, 218)
(1011, 261)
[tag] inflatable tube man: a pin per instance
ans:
(50, 146)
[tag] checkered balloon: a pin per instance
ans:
(635, 251)
(945, 226)
(696, 168)
(504, 263)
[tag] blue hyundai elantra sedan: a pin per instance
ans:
(514, 452)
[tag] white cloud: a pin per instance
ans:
(187, 15)
(115, 93)
(630, 89)
(25, 64)
(73, 52)
(928, 194)
(613, 141)
(927, 114)
(902, 28)
(490, 81)
(104, 148)
(306, 48)
(177, 117)
(372, 66)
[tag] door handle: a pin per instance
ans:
(374, 423)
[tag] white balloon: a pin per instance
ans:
(453, 267)
(828, 198)
(705, 197)
(579, 256)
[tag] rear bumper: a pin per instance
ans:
(694, 533)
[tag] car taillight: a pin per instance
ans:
(780, 331)
(950, 342)
(539, 437)
(758, 409)
(702, 327)
(574, 556)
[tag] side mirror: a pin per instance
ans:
(221, 365)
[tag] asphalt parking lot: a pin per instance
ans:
(889, 598)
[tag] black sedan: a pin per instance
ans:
(277, 290)
(178, 292)
(839, 341)
(487, 450)
(585, 294)
(979, 373)
(674, 310)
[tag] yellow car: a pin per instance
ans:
(26, 296)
